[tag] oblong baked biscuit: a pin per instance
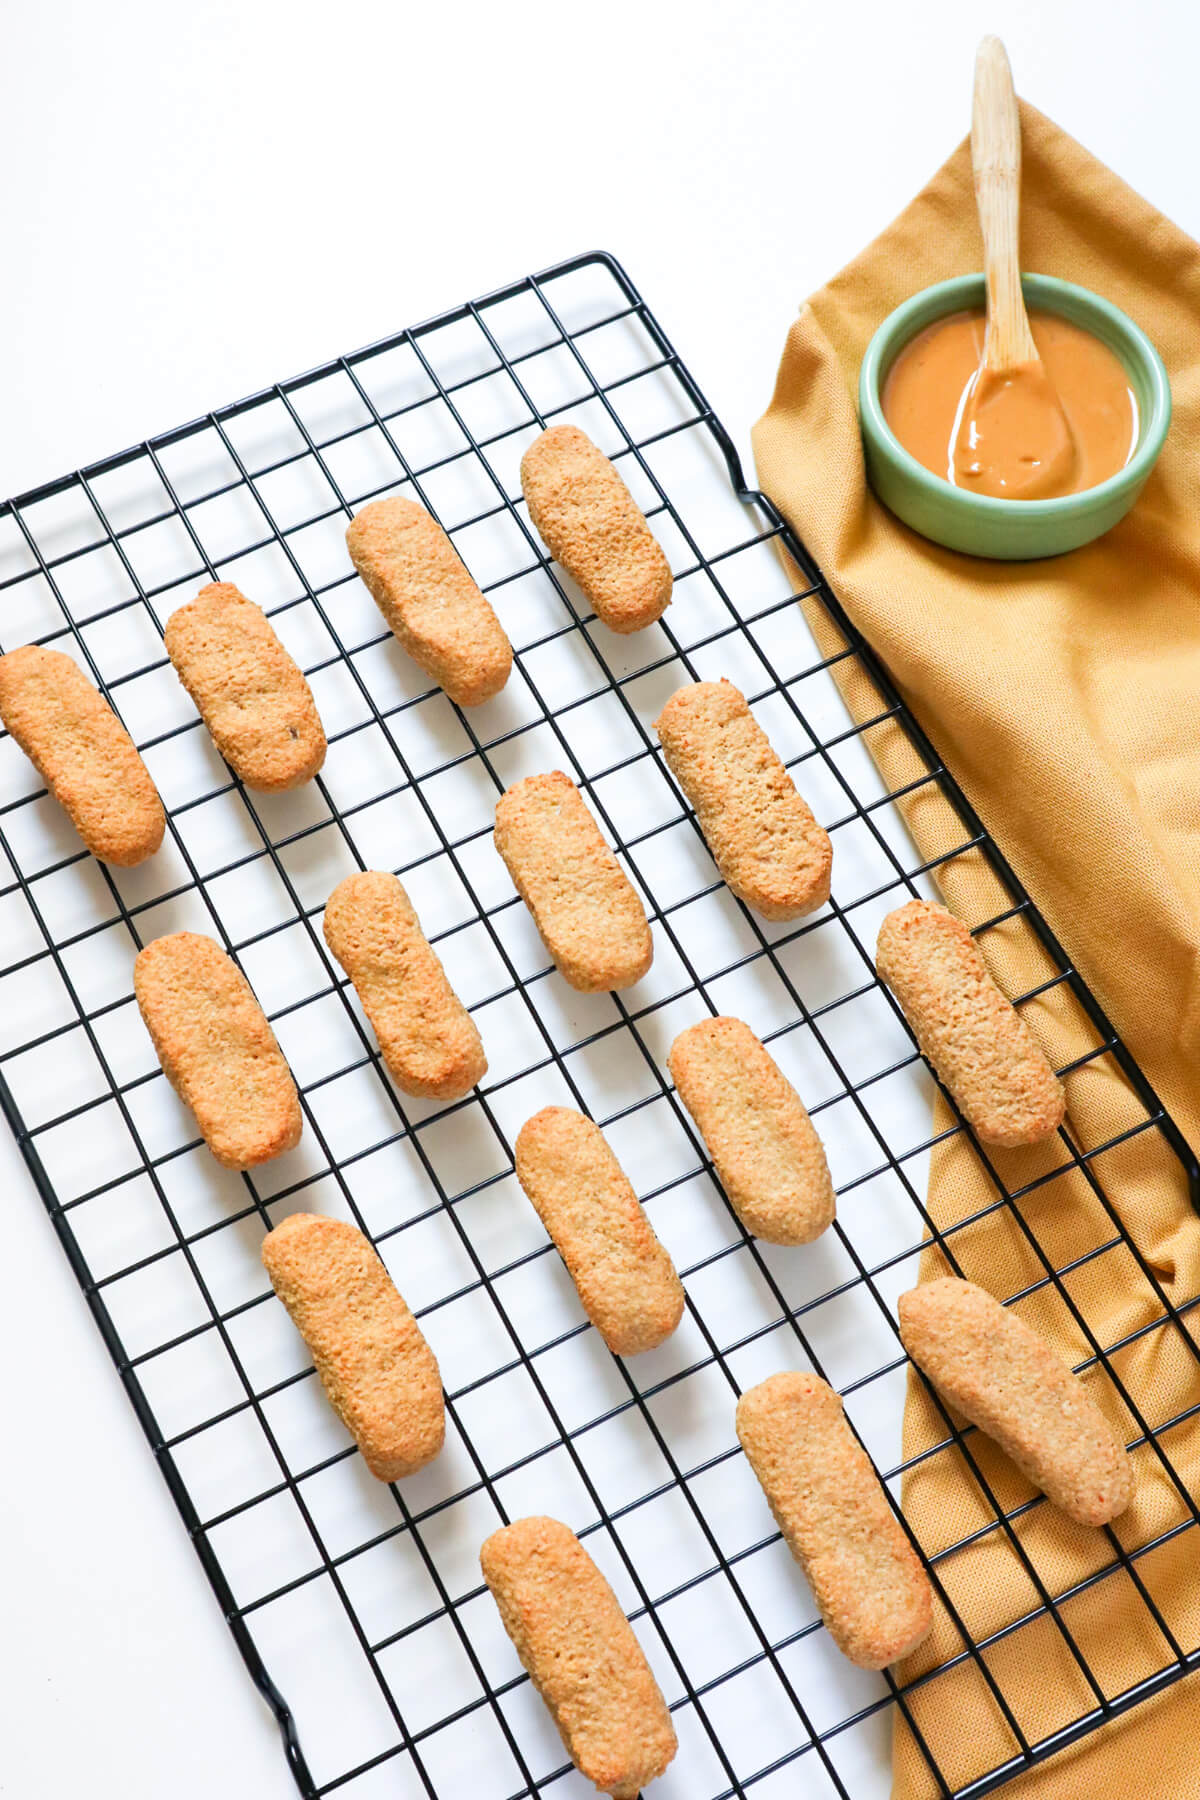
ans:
(217, 1049)
(1001, 1375)
(873, 1594)
(591, 524)
(974, 1037)
(257, 706)
(380, 1375)
(581, 1654)
(83, 753)
(625, 1278)
(427, 1036)
(590, 919)
(429, 598)
(763, 1144)
(764, 840)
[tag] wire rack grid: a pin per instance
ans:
(358, 1608)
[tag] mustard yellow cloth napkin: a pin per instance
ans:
(1065, 696)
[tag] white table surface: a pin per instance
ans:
(202, 200)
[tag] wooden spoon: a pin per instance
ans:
(1014, 439)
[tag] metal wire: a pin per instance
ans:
(632, 1024)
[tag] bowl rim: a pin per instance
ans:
(1047, 291)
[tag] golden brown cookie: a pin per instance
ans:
(377, 1369)
(591, 524)
(83, 753)
(257, 706)
(591, 921)
(867, 1579)
(427, 1036)
(763, 1144)
(581, 1654)
(217, 1049)
(625, 1278)
(976, 1040)
(428, 597)
(997, 1372)
(764, 840)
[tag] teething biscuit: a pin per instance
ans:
(625, 1278)
(581, 1654)
(428, 597)
(591, 921)
(377, 1369)
(83, 753)
(770, 850)
(764, 1148)
(257, 706)
(591, 524)
(867, 1580)
(217, 1049)
(976, 1040)
(427, 1036)
(994, 1369)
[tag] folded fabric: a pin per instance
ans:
(1063, 696)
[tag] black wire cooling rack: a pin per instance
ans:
(358, 1608)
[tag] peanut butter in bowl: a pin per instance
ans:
(909, 464)
(992, 431)
(928, 391)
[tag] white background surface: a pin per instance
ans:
(200, 201)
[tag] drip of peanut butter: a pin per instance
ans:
(1035, 432)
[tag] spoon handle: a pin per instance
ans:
(996, 161)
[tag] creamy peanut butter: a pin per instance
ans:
(930, 391)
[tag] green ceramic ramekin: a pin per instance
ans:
(977, 523)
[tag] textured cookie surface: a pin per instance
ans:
(593, 526)
(427, 1036)
(83, 753)
(764, 840)
(581, 1653)
(998, 1372)
(257, 706)
(377, 1369)
(763, 1144)
(428, 597)
(591, 921)
(625, 1278)
(976, 1040)
(217, 1049)
(867, 1579)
